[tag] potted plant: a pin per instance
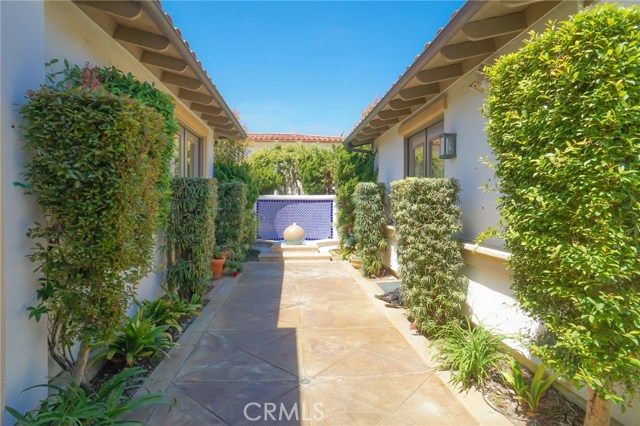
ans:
(356, 261)
(217, 262)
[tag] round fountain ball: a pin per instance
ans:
(293, 235)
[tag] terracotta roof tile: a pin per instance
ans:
(293, 137)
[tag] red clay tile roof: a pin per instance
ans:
(293, 137)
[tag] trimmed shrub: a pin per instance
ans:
(350, 168)
(96, 160)
(564, 125)
(121, 84)
(191, 235)
(232, 198)
(427, 217)
(370, 224)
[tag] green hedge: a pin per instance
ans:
(350, 168)
(564, 123)
(232, 198)
(96, 160)
(370, 225)
(191, 235)
(427, 217)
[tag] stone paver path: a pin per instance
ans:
(303, 344)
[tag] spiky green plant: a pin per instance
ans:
(471, 352)
(369, 226)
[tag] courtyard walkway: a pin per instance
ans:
(299, 344)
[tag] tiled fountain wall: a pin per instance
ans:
(316, 214)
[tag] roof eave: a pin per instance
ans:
(466, 12)
(154, 9)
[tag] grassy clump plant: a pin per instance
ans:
(370, 225)
(427, 217)
(563, 124)
(71, 404)
(471, 352)
(191, 235)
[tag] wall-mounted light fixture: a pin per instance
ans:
(447, 145)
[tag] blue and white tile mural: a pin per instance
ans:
(314, 214)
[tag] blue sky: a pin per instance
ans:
(306, 67)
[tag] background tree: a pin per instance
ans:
(563, 122)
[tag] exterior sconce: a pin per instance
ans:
(447, 145)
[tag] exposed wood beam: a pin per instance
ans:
(200, 98)
(401, 103)
(435, 75)
(390, 113)
(518, 3)
(369, 131)
(221, 134)
(377, 123)
(420, 91)
(468, 49)
(206, 108)
(364, 138)
(225, 128)
(220, 120)
(492, 27)
(180, 80)
(125, 9)
(163, 61)
(141, 38)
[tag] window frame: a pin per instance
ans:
(427, 147)
(182, 169)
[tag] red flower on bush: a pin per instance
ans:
(234, 273)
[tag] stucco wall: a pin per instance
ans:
(23, 342)
(390, 156)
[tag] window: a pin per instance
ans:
(423, 153)
(188, 154)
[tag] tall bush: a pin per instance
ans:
(121, 84)
(191, 235)
(232, 197)
(564, 125)
(370, 225)
(96, 160)
(350, 168)
(427, 217)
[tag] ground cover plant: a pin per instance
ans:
(471, 352)
(71, 405)
(96, 166)
(563, 123)
(370, 225)
(190, 235)
(427, 217)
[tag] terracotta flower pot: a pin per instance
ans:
(356, 262)
(216, 267)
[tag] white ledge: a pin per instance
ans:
(476, 249)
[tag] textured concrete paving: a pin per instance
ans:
(301, 345)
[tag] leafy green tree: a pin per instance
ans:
(316, 170)
(564, 125)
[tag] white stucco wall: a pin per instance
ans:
(390, 156)
(23, 342)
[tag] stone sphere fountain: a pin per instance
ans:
(293, 235)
